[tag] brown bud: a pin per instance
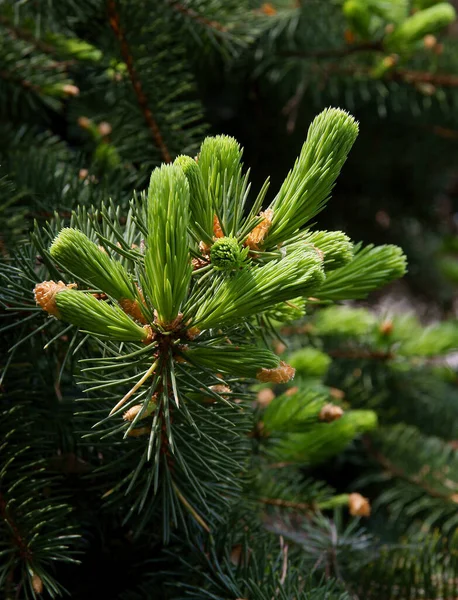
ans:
(258, 234)
(390, 61)
(220, 389)
(45, 295)
(192, 333)
(336, 393)
(265, 397)
(438, 49)
(358, 505)
(104, 128)
(429, 41)
(236, 554)
(70, 90)
(84, 122)
(134, 309)
(389, 28)
(37, 584)
(150, 334)
(386, 328)
(139, 431)
(268, 9)
(280, 374)
(330, 412)
(291, 391)
(217, 231)
(83, 173)
(349, 36)
(426, 88)
(279, 347)
(133, 411)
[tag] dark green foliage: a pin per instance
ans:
(155, 464)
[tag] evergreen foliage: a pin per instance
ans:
(153, 438)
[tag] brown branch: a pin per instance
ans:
(337, 52)
(27, 85)
(189, 12)
(361, 354)
(287, 504)
(402, 75)
(18, 540)
(400, 474)
(27, 36)
(439, 79)
(142, 100)
(445, 132)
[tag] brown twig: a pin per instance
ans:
(18, 540)
(142, 100)
(189, 12)
(305, 506)
(27, 85)
(361, 354)
(402, 75)
(400, 474)
(337, 52)
(23, 34)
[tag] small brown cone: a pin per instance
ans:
(349, 36)
(330, 412)
(217, 231)
(265, 397)
(386, 328)
(139, 431)
(37, 584)
(268, 9)
(336, 393)
(84, 122)
(70, 90)
(281, 374)
(104, 128)
(258, 234)
(45, 295)
(358, 505)
(429, 41)
(133, 308)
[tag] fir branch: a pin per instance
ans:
(195, 16)
(156, 134)
(399, 473)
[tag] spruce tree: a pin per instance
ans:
(153, 439)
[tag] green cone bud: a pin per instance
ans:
(427, 21)
(226, 254)
(167, 261)
(371, 268)
(285, 312)
(358, 17)
(335, 245)
(346, 321)
(309, 362)
(220, 164)
(74, 251)
(293, 412)
(244, 361)
(98, 317)
(308, 186)
(325, 439)
(75, 47)
(201, 219)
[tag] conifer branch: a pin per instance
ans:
(158, 139)
(402, 75)
(336, 52)
(195, 16)
(396, 472)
